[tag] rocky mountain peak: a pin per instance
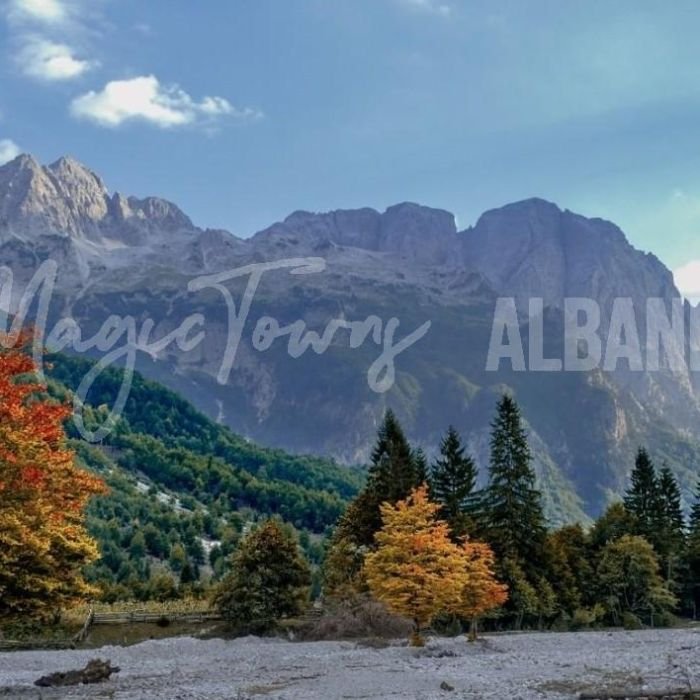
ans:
(68, 199)
(72, 174)
(421, 219)
(411, 231)
(533, 248)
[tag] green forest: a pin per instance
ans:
(177, 480)
(189, 509)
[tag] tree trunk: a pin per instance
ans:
(416, 639)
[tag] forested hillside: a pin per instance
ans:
(183, 489)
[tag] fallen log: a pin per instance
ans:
(96, 671)
(668, 694)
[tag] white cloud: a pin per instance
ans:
(48, 60)
(144, 98)
(49, 11)
(687, 278)
(8, 150)
(435, 7)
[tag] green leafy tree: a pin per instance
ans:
(629, 579)
(522, 595)
(270, 580)
(178, 557)
(189, 574)
(570, 568)
(137, 546)
(453, 481)
(614, 523)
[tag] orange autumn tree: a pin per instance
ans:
(43, 495)
(481, 592)
(416, 571)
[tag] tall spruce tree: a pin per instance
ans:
(515, 525)
(453, 482)
(694, 521)
(670, 533)
(393, 474)
(692, 558)
(643, 498)
(422, 471)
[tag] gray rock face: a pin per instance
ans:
(409, 231)
(533, 247)
(130, 256)
(67, 199)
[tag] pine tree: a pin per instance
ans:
(416, 570)
(393, 474)
(670, 536)
(270, 579)
(692, 557)
(422, 472)
(515, 524)
(453, 482)
(694, 521)
(642, 499)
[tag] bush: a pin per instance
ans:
(587, 617)
(664, 619)
(363, 619)
(631, 622)
(447, 625)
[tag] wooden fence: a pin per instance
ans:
(131, 616)
(126, 617)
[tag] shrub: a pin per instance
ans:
(363, 619)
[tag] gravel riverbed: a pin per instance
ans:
(525, 666)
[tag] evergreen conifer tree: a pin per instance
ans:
(515, 525)
(423, 475)
(392, 477)
(453, 482)
(671, 529)
(393, 474)
(643, 500)
(692, 558)
(694, 521)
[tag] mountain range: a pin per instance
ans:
(135, 257)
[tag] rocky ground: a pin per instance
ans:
(526, 666)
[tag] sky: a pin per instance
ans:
(242, 111)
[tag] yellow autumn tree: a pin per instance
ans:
(43, 494)
(416, 570)
(481, 591)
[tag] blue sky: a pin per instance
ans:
(243, 111)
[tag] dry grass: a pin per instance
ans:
(364, 620)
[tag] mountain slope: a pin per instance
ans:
(135, 257)
(182, 489)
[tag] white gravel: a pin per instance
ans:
(525, 666)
